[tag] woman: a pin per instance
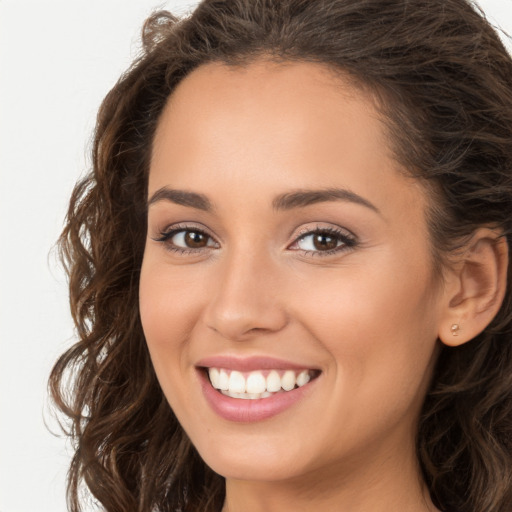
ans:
(289, 266)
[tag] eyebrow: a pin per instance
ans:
(182, 197)
(282, 202)
(301, 198)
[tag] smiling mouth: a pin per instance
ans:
(258, 384)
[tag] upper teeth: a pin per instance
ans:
(256, 383)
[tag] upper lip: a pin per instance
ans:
(248, 364)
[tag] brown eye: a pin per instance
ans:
(185, 240)
(324, 242)
(195, 239)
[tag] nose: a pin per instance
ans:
(247, 300)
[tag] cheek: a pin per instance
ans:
(169, 304)
(167, 310)
(379, 329)
(167, 320)
(380, 299)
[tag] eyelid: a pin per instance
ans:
(185, 226)
(165, 235)
(326, 228)
(346, 237)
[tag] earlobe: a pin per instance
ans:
(476, 288)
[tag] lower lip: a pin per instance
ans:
(246, 411)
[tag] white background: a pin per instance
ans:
(57, 61)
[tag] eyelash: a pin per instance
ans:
(347, 239)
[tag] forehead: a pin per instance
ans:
(270, 81)
(216, 88)
(262, 107)
(271, 126)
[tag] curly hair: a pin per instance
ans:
(445, 83)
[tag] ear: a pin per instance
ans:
(475, 287)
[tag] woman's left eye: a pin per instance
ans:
(324, 241)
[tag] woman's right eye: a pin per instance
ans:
(186, 240)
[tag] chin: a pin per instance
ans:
(260, 462)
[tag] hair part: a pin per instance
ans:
(444, 82)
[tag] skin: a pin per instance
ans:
(368, 316)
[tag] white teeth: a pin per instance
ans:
(254, 385)
(223, 380)
(247, 396)
(236, 382)
(288, 380)
(302, 378)
(214, 377)
(273, 382)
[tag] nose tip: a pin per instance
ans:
(241, 323)
(247, 303)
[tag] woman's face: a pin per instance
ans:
(284, 244)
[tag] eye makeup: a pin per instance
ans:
(321, 241)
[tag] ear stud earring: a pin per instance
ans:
(455, 328)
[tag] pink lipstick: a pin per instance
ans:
(253, 389)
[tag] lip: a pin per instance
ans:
(249, 364)
(246, 411)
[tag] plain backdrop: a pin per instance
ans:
(57, 61)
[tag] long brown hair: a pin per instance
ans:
(445, 84)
